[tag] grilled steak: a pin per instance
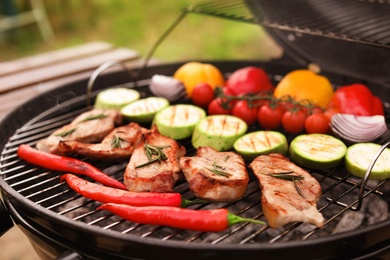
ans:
(154, 164)
(116, 146)
(89, 127)
(215, 176)
(284, 200)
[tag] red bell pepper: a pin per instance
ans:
(248, 80)
(206, 220)
(356, 99)
(66, 164)
(108, 194)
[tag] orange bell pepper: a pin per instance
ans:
(305, 85)
(194, 73)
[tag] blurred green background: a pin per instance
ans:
(137, 24)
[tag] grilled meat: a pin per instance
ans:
(284, 200)
(215, 176)
(89, 127)
(154, 164)
(116, 146)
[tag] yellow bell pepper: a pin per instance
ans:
(305, 85)
(193, 73)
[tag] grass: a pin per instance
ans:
(138, 24)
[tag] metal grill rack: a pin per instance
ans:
(349, 20)
(340, 190)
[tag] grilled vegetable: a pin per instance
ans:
(213, 220)
(248, 80)
(298, 84)
(359, 157)
(167, 87)
(218, 131)
(144, 110)
(356, 99)
(193, 73)
(178, 121)
(107, 194)
(257, 143)
(317, 151)
(358, 128)
(116, 98)
(65, 164)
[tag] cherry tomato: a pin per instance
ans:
(245, 111)
(270, 117)
(218, 107)
(202, 94)
(317, 123)
(293, 121)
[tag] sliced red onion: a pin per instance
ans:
(358, 128)
(167, 87)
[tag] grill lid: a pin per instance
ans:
(349, 37)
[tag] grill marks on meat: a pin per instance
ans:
(116, 146)
(89, 127)
(281, 202)
(158, 176)
(215, 176)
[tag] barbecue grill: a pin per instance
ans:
(348, 40)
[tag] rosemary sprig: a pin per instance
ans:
(289, 176)
(92, 117)
(219, 170)
(154, 154)
(116, 140)
(67, 132)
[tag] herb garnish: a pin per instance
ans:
(219, 170)
(67, 132)
(289, 176)
(116, 140)
(92, 117)
(154, 154)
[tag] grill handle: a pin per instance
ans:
(6, 222)
(68, 255)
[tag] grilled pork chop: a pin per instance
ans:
(215, 176)
(89, 127)
(154, 164)
(282, 201)
(116, 146)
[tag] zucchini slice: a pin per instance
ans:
(251, 145)
(218, 131)
(178, 121)
(317, 151)
(144, 110)
(116, 98)
(359, 157)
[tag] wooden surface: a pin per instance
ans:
(22, 79)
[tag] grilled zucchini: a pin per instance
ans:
(251, 145)
(218, 131)
(178, 121)
(317, 151)
(359, 157)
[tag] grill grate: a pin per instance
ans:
(352, 20)
(42, 187)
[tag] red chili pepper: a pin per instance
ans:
(65, 164)
(212, 220)
(107, 194)
(356, 99)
